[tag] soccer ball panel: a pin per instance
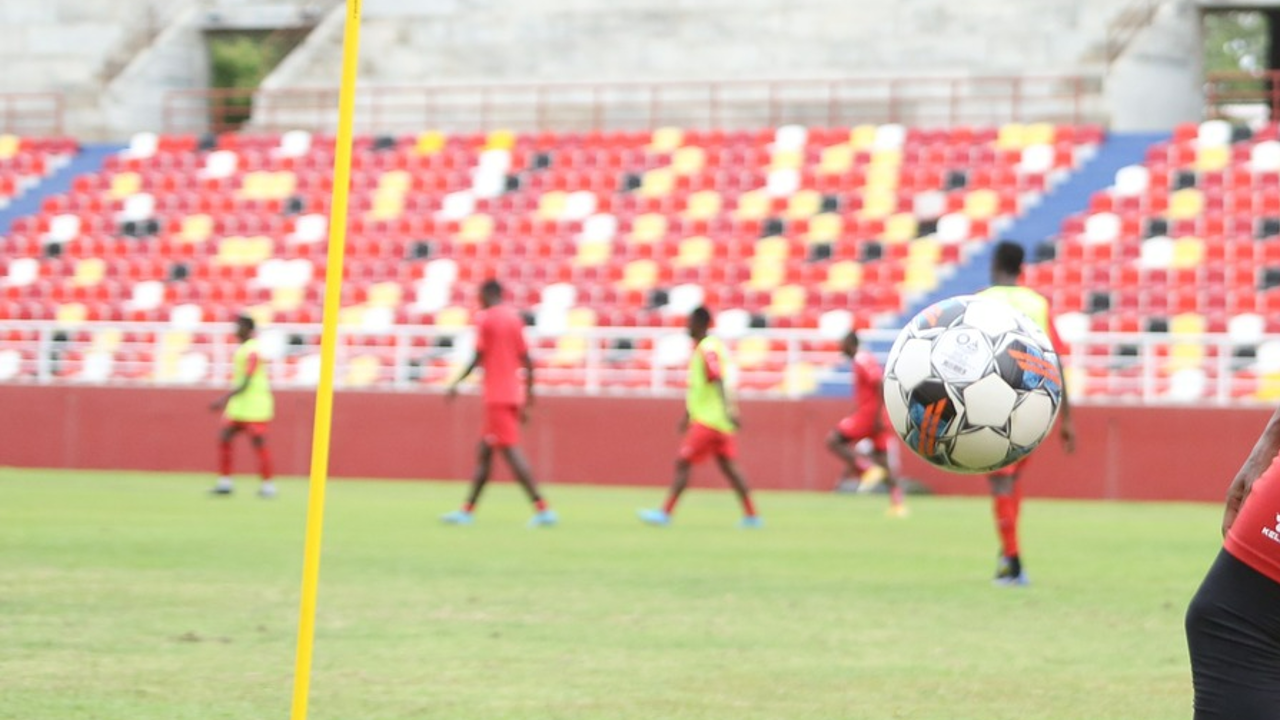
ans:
(895, 403)
(980, 450)
(911, 365)
(1031, 419)
(988, 402)
(961, 355)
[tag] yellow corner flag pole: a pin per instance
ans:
(328, 353)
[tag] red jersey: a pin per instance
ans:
(868, 382)
(1254, 538)
(500, 343)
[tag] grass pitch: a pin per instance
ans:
(137, 597)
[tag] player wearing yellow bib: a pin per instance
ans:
(1006, 492)
(248, 407)
(710, 423)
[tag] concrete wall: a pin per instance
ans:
(1124, 452)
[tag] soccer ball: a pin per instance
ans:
(972, 385)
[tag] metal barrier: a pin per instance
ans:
(1147, 369)
(726, 104)
(1243, 96)
(32, 114)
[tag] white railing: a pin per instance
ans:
(1149, 368)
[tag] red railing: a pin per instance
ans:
(919, 101)
(1243, 96)
(32, 114)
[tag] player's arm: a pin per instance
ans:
(250, 367)
(715, 376)
(528, 386)
(475, 362)
(1264, 451)
(1066, 428)
(730, 406)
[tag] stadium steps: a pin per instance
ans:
(1045, 220)
(89, 160)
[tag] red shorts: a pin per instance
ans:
(856, 428)
(701, 442)
(501, 425)
(1254, 538)
(256, 429)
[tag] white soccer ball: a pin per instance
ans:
(972, 385)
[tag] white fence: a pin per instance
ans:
(1103, 367)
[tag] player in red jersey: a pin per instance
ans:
(501, 352)
(868, 422)
(1233, 622)
(1006, 491)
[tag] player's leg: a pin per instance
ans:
(543, 514)
(897, 494)
(679, 481)
(480, 478)
(842, 448)
(226, 434)
(267, 488)
(731, 472)
(1005, 499)
(1233, 634)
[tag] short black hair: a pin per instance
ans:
(852, 336)
(1008, 257)
(246, 321)
(701, 314)
(491, 288)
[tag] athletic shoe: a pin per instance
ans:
(848, 485)
(751, 522)
(897, 511)
(267, 490)
(658, 518)
(546, 518)
(457, 517)
(1009, 572)
(872, 478)
(222, 487)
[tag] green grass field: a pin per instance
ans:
(137, 597)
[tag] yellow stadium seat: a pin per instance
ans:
(363, 371)
(70, 313)
(552, 204)
(694, 252)
(804, 204)
(453, 317)
(772, 249)
(1012, 137)
(786, 160)
(666, 139)
(766, 274)
(387, 206)
(879, 204)
(107, 340)
(862, 137)
(500, 140)
(9, 146)
(238, 250)
(89, 271)
(982, 204)
(657, 183)
(266, 185)
(843, 276)
(1188, 252)
(900, 228)
(1041, 134)
(582, 318)
(688, 160)
(172, 347)
(886, 157)
(1213, 158)
(825, 228)
(196, 228)
(429, 142)
(397, 181)
(787, 300)
(883, 177)
(570, 350)
(594, 253)
(1268, 387)
(703, 205)
(799, 379)
(125, 184)
(285, 299)
(920, 277)
(1186, 204)
(751, 352)
(835, 160)
(475, 228)
(924, 250)
(640, 275)
(649, 228)
(753, 205)
(352, 316)
(1187, 350)
(387, 294)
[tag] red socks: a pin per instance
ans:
(224, 459)
(264, 463)
(748, 507)
(669, 506)
(540, 505)
(1006, 511)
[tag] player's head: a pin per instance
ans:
(244, 327)
(1006, 263)
(699, 323)
(849, 346)
(490, 293)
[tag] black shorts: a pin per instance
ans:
(1233, 633)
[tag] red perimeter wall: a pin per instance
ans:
(1123, 452)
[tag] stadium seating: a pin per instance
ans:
(790, 227)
